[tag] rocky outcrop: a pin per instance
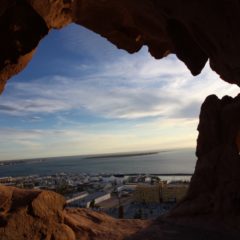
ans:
(193, 30)
(28, 214)
(89, 224)
(214, 190)
(41, 215)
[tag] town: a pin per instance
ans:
(139, 196)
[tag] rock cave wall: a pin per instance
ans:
(196, 31)
(214, 188)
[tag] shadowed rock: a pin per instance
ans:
(196, 31)
(213, 196)
(193, 30)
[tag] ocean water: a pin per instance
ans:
(166, 162)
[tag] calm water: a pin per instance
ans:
(169, 162)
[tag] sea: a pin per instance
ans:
(169, 162)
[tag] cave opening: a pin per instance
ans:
(83, 103)
(81, 97)
(78, 85)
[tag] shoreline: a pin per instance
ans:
(36, 160)
(122, 155)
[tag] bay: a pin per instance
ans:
(178, 161)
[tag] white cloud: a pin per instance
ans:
(158, 134)
(128, 88)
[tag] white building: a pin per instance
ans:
(76, 200)
(94, 198)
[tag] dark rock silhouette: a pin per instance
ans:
(213, 196)
(193, 30)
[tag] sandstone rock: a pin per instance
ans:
(56, 14)
(13, 68)
(5, 199)
(48, 205)
(196, 31)
(30, 214)
(63, 232)
(21, 28)
(93, 225)
(20, 222)
(213, 192)
(40, 215)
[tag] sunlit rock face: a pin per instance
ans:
(193, 30)
(28, 214)
(214, 189)
(40, 215)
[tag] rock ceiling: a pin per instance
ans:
(196, 31)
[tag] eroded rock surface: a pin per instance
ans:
(93, 225)
(40, 215)
(193, 30)
(214, 195)
(21, 28)
(29, 214)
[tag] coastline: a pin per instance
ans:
(122, 155)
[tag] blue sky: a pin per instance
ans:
(82, 95)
